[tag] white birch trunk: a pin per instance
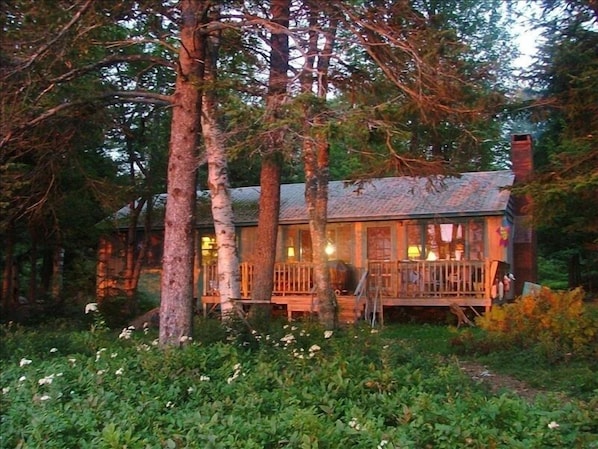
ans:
(229, 275)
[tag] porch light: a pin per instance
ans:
(291, 252)
(330, 249)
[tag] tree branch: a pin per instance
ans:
(60, 34)
(108, 98)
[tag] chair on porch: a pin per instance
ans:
(410, 279)
(460, 279)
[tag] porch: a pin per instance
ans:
(366, 291)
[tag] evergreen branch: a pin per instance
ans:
(107, 98)
(56, 38)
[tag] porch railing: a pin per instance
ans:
(416, 279)
(396, 279)
(289, 279)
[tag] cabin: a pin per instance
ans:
(391, 242)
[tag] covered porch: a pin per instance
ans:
(365, 291)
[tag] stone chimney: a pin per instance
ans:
(524, 265)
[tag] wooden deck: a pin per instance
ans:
(382, 284)
(296, 306)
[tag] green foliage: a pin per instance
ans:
(552, 272)
(565, 189)
(556, 324)
(296, 388)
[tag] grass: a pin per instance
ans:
(574, 377)
(289, 387)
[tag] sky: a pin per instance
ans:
(527, 36)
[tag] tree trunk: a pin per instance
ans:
(33, 288)
(177, 268)
(57, 284)
(8, 275)
(229, 273)
(316, 160)
(264, 256)
(270, 175)
(315, 155)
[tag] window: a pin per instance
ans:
(446, 240)
(305, 248)
(476, 240)
(209, 249)
(415, 248)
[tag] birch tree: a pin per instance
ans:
(229, 276)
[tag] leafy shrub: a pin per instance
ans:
(557, 324)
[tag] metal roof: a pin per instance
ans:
(471, 194)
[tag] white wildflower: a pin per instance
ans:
(24, 362)
(236, 372)
(54, 350)
(91, 307)
(155, 342)
(45, 397)
(119, 372)
(293, 328)
(553, 425)
(5, 390)
(99, 353)
(72, 361)
(328, 334)
(190, 390)
(126, 333)
(203, 378)
(314, 348)
(169, 404)
(354, 424)
(22, 379)
(374, 331)
(288, 339)
(382, 444)
(114, 355)
(102, 371)
(46, 380)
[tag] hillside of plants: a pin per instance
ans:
(294, 385)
